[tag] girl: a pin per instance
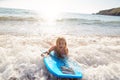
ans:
(60, 48)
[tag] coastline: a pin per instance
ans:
(112, 12)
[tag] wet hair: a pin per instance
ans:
(57, 45)
(60, 39)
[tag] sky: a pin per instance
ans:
(57, 6)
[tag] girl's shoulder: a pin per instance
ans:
(52, 48)
(66, 49)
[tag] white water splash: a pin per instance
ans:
(98, 56)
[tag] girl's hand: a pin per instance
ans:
(45, 54)
(42, 54)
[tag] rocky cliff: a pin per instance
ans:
(113, 11)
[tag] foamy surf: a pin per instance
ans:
(98, 56)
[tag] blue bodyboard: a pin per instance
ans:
(54, 64)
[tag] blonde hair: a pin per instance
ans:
(57, 45)
(61, 39)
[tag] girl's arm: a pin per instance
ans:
(51, 49)
(47, 52)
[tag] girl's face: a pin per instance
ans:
(61, 44)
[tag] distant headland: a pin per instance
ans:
(113, 12)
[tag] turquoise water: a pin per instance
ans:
(26, 21)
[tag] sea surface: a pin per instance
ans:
(26, 21)
(93, 41)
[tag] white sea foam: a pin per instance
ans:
(98, 56)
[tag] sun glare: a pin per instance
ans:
(49, 14)
(49, 10)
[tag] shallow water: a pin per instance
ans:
(98, 56)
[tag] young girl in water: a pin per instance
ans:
(61, 51)
(60, 48)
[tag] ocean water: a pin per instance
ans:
(93, 41)
(66, 23)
